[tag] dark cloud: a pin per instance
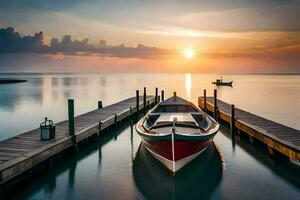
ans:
(36, 4)
(13, 42)
(67, 45)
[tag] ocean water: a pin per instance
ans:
(116, 166)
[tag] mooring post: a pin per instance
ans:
(99, 128)
(162, 95)
(232, 122)
(100, 105)
(148, 104)
(215, 104)
(144, 98)
(130, 113)
(137, 101)
(71, 117)
(116, 120)
(156, 95)
(204, 100)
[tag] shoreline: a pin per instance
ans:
(9, 81)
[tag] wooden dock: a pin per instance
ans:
(22, 152)
(276, 136)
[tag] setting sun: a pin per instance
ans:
(189, 53)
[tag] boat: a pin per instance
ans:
(175, 132)
(220, 82)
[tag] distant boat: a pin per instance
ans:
(176, 131)
(220, 82)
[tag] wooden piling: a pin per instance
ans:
(137, 101)
(116, 120)
(71, 117)
(162, 95)
(144, 99)
(99, 128)
(100, 105)
(130, 113)
(156, 95)
(204, 100)
(215, 104)
(232, 121)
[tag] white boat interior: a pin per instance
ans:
(179, 115)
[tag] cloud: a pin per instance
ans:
(44, 5)
(13, 42)
(283, 45)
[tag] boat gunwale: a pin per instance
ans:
(141, 129)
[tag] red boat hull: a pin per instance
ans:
(184, 151)
(182, 148)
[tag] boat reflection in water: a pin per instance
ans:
(197, 180)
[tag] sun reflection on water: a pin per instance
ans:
(188, 85)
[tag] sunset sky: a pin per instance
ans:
(232, 36)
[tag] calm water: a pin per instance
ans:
(117, 167)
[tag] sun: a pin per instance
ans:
(189, 53)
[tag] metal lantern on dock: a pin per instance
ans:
(47, 130)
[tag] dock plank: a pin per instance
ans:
(277, 136)
(22, 152)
